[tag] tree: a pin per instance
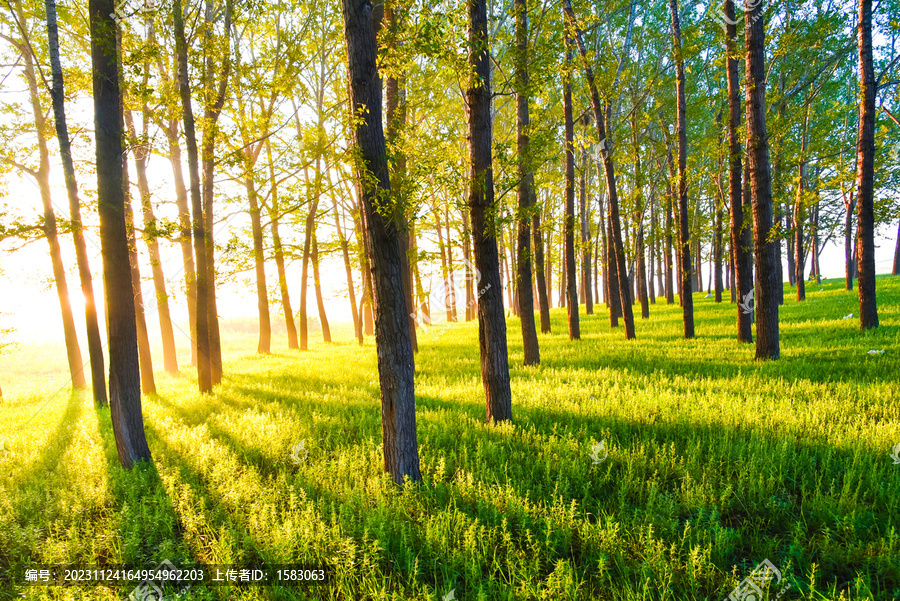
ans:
(569, 228)
(526, 190)
(768, 282)
(618, 248)
(741, 240)
(124, 371)
(485, 226)
(395, 356)
(57, 94)
(865, 174)
(204, 360)
(684, 235)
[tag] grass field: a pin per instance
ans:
(713, 463)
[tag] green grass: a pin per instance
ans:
(716, 462)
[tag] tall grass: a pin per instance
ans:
(715, 462)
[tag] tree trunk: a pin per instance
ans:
(395, 356)
(539, 271)
(895, 270)
(684, 241)
(204, 360)
(304, 276)
(210, 119)
(741, 235)
(670, 225)
(345, 250)
(57, 94)
(865, 153)
(585, 238)
(184, 238)
(800, 215)
(719, 282)
(124, 371)
(141, 158)
(767, 279)
(491, 320)
(259, 262)
(569, 227)
(470, 275)
(278, 251)
(611, 191)
(641, 280)
(526, 196)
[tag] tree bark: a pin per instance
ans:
(865, 178)
(585, 238)
(141, 158)
(526, 196)
(278, 251)
(641, 280)
(485, 226)
(148, 382)
(348, 268)
(204, 359)
(259, 263)
(184, 238)
(741, 235)
(767, 278)
(124, 372)
(616, 230)
(684, 241)
(569, 227)
(210, 119)
(395, 356)
(57, 94)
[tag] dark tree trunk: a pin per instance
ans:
(616, 231)
(395, 356)
(585, 239)
(57, 94)
(124, 371)
(471, 301)
(865, 177)
(639, 250)
(719, 282)
(670, 225)
(396, 114)
(767, 279)
(651, 289)
(684, 241)
(569, 224)
(741, 236)
(211, 117)
(542, 283)
(615, 298)
(894, 271)
(525, 192)
(485, 226)
(204, 360)
(800, 216)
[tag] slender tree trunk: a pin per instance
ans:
(569, 227)
(317, 284)
(204, 359)
(767, 279)
(395, 356)
(141, 158)
(609, 170)
(259, 262)
(184, 238)
(865, 177)
(491, 320)
(451, 289)
(148, 382)
(639, 250)
(670, 226)
(585, 238)
(470, 275)
(278, 251)
(719, 282)
(396, 114)
(896, 268)
(539, 271)
(345, 251)
(526, 196)
(211, 117)
(124, 371)
(800, 215)
(684, 241)
(57, 94)
(304, 276)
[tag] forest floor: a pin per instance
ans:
(711, 463)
